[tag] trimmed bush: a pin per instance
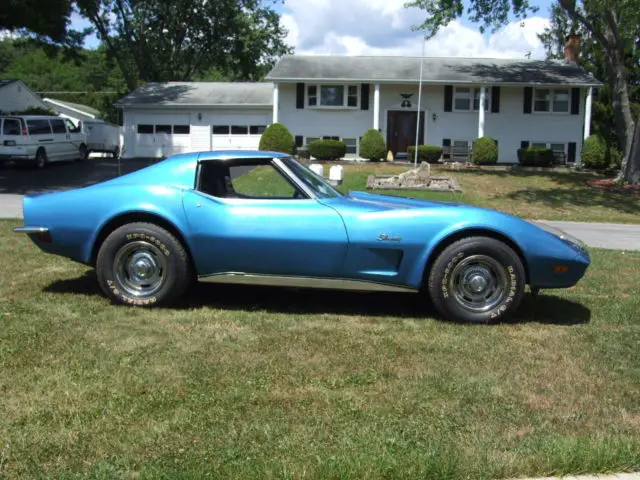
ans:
(536, 157)
(426, 153)
(327, 149)
(596, 155)
(277, 138)
(372, 145)
(484, 151)
(303, 152)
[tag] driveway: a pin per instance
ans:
(603, 235)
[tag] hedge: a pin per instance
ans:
(596, 155)
(372, 145)
(327, 149)
(484, 151)
(536, 157)
(277, 138)
(426, 153)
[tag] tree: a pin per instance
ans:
(157, 40)
(47, 18)
(613, 24)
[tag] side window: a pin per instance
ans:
(11, 126)
(72, 128)
(39, 127)
(58, 126)
(244, 180)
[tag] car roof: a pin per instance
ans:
(226, 155)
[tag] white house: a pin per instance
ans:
(16, 96)
(524, 102)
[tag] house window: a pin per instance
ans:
(327, 137)
(352, 145)
(257, 129)
(312, 92)
(239, 130)
(333, 96)
(181, 129)
(163, 129)
(460, 150)
(559, 149)
(464, 102)
(551, 100)
(220, 129)
(145, 129)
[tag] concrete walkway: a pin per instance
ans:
(603, 235)
(10, 206)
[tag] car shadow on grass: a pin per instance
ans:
(546, 309)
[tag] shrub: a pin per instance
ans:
(327, 149)
(426, 153)
(303, 152)
(536, 157)
(484, 151)
(372, 146)
(277, 138)
(596, 154)
(36, 111)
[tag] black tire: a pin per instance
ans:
(138, 249)
(116, 153)
(83, 152)
(41, 159)
(477, 279)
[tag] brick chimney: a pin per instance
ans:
(572, 49)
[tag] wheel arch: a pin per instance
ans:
(136, 217)
(473, 232)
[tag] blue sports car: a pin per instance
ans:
(264, 218)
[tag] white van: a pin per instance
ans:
(40, 139)
(102, 137)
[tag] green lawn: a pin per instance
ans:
(537, 195)
(265, 383)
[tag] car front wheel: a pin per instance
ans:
(477, 279)
(142, 264)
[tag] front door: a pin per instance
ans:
(401, 130)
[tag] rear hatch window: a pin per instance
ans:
(9, 129)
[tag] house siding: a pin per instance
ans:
(15, 97)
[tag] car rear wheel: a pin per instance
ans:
(116, 153)
(41, 159)
(83, 153)
(477, 279)
(142, 264)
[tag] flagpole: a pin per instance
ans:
(415, 159)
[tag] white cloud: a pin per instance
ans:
(383, 27)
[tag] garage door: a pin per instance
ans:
(161, 135)
(238, 132)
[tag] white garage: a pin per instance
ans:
(162, 119)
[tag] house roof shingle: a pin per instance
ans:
(435, 70)
(201, 94)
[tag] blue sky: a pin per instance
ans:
(384, 27)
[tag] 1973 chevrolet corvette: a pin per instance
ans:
(264, 218)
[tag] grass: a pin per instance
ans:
(537, 195)
(248, 382)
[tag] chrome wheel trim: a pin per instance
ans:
(140, 268)
(479, 283)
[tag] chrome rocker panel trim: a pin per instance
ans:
(30, 230)
(239, 278)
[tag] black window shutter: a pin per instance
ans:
(495, 99)
(300, 95)
(299, 140)
(448, 98)
(364, 96)
(571, 152)
(575, 101)
(446, 146)
(524, 144)
(528, 98)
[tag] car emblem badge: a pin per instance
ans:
(383, 237)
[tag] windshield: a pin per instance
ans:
(315, 182)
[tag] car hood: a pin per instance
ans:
(373, 202)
